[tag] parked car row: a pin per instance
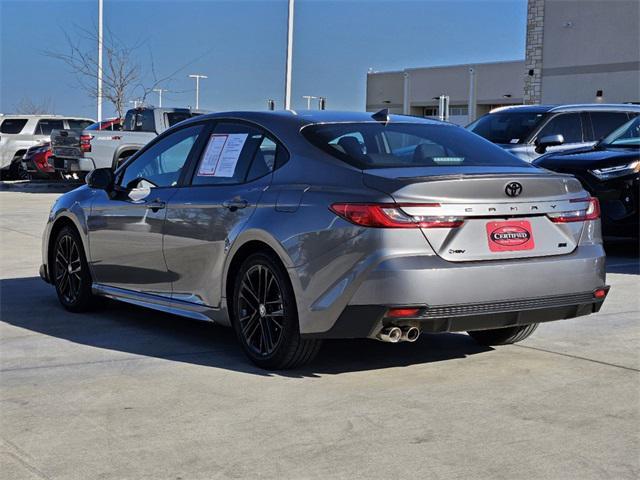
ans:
(528, 131)
(598, 144)
(18, 133)
(36, 161)
(79, 152)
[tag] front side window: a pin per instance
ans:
(506, 127)
(606, 122)
(236, 153)
(45, 127)
(627, 135)
(569, 125)
(375, 145)
(163, 162)
(12, 126)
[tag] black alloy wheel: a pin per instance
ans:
(70, 273)
(261, 310)
(265, 316)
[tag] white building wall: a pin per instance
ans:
(589, 46)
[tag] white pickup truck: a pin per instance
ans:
(20, 132)
(78, 153)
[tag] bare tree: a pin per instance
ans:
(26, 106)
(122, 71)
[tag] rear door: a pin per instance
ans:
(228, 179)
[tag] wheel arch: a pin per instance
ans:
(241, 252)
(58, 224)
(122, 152)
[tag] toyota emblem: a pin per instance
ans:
(513, 189)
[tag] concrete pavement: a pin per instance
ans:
(125, 393)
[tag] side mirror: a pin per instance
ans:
(100, 178)
(548, 141)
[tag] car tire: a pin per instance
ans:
(503, 336)
(70, 271)
(265, 316)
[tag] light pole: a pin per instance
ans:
(160, 90)
(197, 77)
(100, 21)
(287, 76)
(309, 98)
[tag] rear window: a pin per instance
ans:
(374, 145)
(13, 125)
(45, 127)
(78, 124)
(506, 127)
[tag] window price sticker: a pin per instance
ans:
(221, 155)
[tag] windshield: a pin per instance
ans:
(506, 127)
(628, 135)
(375, 145)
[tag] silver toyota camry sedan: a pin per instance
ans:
(298, 227)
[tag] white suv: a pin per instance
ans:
(19, 132)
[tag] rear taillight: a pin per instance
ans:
(390, 215)
(592, 212)
(85, 143)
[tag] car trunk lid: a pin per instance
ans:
(504, 213)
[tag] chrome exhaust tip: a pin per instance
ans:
(390, 334)
(410, 334)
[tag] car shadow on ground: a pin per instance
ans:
(31, 304)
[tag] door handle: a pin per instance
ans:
(156, 205)
(235, 204)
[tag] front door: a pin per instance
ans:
(126, 225)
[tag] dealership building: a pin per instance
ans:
(572, 56)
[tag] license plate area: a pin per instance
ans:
(509, 236)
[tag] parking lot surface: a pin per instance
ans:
(127, 393)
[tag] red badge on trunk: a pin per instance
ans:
(509, 236)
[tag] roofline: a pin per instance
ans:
(574, 107)
(469, 64)
(31, 115)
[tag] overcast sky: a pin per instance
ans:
(240, 45)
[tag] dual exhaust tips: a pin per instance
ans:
(398, 334)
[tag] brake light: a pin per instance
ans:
(592, 212)
(390, 215)
(399, 312)
(85, 143)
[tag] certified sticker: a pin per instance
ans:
(510, 236)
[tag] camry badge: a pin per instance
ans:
(513, 189)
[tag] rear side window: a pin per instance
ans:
(374, 145)
(177, 117)
(569, 125)
(606, 122)
(45, 127)
(13, 125)
(236, 153)
(78, 124)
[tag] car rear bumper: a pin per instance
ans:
(368, 320)
(494, 293)
(71, 165)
